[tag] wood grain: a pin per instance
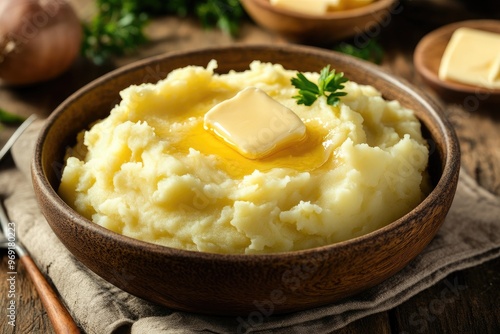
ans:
(318, 30)
(463, 302)
(30, 314)
(475, 310)
(59, 316)
(479, 137)
(427, 59)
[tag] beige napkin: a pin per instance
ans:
(469, 236)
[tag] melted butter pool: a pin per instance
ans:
(309, 154)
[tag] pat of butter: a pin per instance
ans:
(472, 57)
(254, 124)
(494, 75)
(348, 4)
(313, 7)
(319, 7)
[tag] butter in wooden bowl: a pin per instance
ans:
(319, 7)
(321, 22)
(232, 163)
(472, 57)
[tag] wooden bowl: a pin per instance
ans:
(235, 284)
(324, 29)
(427, 59)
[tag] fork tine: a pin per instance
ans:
(16, 135)
(3, 217)
(4, 228)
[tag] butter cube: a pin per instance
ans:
(494, 75)
(312, 7)
(319, 7)
(348, 4)
(472, 57)
(254, 124)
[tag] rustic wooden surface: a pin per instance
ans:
(472, 299)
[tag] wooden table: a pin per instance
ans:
(474, 307)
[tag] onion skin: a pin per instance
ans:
(39, 40)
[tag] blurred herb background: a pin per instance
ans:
(371, 50)
(10, 118)
(118, 26)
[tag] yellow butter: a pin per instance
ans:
(254, 124)
(347, 4)
(313, 7)
(472, 57)
(319, 7)
(494, 75)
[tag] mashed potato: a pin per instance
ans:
(150, 171)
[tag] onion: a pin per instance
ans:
(39, 40)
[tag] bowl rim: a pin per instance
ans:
(446, 31)
(341, 14)
(450, 163)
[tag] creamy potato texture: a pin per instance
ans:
(152, 172)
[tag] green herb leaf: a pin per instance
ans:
(225, 14)
(118, 26)
(371, 51)
(117, 29)
(329, 84)
(9, 118)
(301, 82)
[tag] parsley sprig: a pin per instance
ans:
(329, 85)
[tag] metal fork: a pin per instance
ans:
(16, 135)
(58, 314)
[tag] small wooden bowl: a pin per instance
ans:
(235, 284)
(427, 59)
(324, 29)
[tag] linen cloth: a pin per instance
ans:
(469, 236)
